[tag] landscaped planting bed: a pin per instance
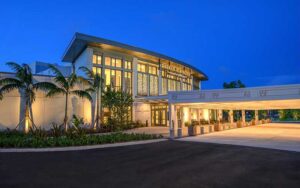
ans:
(21, 140)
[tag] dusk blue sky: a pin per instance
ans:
(255, 41)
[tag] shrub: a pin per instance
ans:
(19, 140)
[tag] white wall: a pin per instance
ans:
(142, 112)
(45, 110)
(85, 59)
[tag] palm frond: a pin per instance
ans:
(14, 66)
(56, 71)
(9, 87)
(55, 91)
(72, 80)
(83, 80)
(45, 86)
(6, 81)
(87, 72)
(82, 94)
(61, 80)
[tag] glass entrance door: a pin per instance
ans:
(159, 115)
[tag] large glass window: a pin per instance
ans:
(142, 84)
(153, 85)
(141, 67)
(97, 70)
(128, 81)
(113, 62)
(97, 59)
(128, 65)
(113, 79)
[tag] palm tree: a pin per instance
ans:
(27, 87)
(94, 83)
(66, 87)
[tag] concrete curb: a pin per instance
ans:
(79, 148)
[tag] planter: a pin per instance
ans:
(239, 124)
(192, 130)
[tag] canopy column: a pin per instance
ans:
(173, 125)
(243, 117)
(231, 116)
(256, 117)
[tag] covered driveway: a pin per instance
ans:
(283, 136)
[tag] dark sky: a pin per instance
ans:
(256, 41)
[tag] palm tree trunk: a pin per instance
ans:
(27, 118)
(66, 113)
(97, 110)
(31, 113)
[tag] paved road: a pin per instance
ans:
(285, 136)
(164, 164)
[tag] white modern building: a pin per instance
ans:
(166, 91)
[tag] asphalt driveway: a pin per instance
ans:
(163, 164)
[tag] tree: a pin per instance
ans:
(94, 83)
(118, 104)
(27, 87)
(66, 86)
(234, 84)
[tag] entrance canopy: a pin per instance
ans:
(256, 98)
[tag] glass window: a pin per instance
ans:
(107, 61)
(153, 85)
(118, 63)
(127, 65)
(127, 79)
(113, 62)
(97, 59)
(153, 70)
(94, 59)
(142, 84)
(97, 70)
(107, 77)
(118, 80)
(141, 68)
(164, 86)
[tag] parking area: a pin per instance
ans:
(283, 136)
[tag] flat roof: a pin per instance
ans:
(80, 41)
(261, 98)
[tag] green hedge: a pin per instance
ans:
(20, 140)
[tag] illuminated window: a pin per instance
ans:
(127, 65)
(153, 70)
(97, 59)
(118, 63)
(164, 86)
(142, 84)
(153, 85)
(107, 77)
(97, 70)
(141, 68)
(107, 61)
(127, 83)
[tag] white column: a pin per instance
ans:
(171, 123)
(231, 116)
(220, 115)
(243, 117)
(256, 117)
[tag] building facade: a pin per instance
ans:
(147, 75)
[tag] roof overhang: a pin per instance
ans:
(81, 41)
(270, 97)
